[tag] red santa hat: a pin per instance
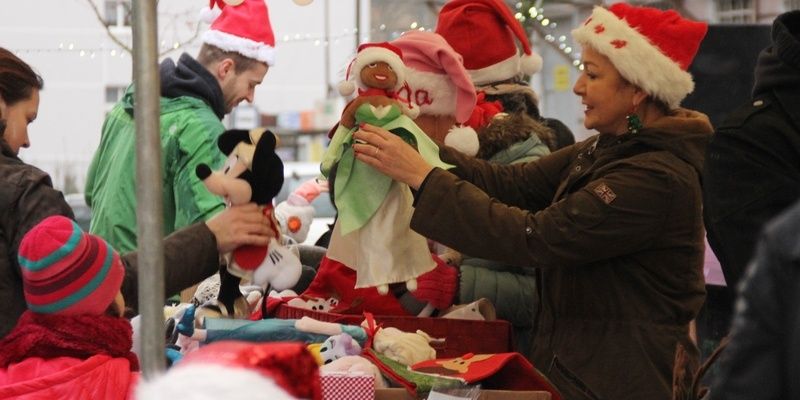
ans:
(438, 84)
(483, 32)
(242, 26)
(240, 371)
(369, 53)
(650, 48)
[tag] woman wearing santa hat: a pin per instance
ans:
(613, 223)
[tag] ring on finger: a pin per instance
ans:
(375, 153)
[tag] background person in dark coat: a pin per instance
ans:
(752, 169)
(762, 360)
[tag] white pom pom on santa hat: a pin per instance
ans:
(463, 139)
(208, 15)
(346, 88)
(531, 63)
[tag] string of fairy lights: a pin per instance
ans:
(531, 17)
(116, 51)
(534, 19)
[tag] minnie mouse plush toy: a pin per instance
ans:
(252, 173)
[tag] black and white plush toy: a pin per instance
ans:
(253, 172)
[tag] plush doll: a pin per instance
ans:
(295, 214)
(252, 173)
(372, 233)
(339, 346)
(306, 329)
(379, 72)
(334, 348)
(339, 339)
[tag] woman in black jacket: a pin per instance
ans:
(27, 196)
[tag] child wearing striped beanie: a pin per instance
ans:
(73, 333)
(67, 271)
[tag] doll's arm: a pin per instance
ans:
(311, 325)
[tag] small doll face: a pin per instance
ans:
(378, 75)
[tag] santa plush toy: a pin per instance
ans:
(377, 71)
(372, 233)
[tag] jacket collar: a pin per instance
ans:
(790, 101)
(5, 149)
(684, 133)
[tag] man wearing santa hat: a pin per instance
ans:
(196, 94)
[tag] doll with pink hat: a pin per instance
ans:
(372, 233)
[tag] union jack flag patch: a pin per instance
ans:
(605, 193)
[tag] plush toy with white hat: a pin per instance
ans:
(378, 72)
(295, 214)
(372, 234)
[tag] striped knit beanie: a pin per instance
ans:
(67, 271)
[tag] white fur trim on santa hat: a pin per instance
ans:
(206, 381)
(246, 47)
(637, 60)
(371, 55)
(463, 139)
(510, 67)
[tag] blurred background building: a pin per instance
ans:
(80, 47)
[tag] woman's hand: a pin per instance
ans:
(390, 155)
(240, 225)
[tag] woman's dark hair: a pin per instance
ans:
(17, 79)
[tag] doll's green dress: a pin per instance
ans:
(372, 234)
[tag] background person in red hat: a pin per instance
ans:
(196, 94)
(613, 223)
(73, 341)
(498, 56)
(239, 371)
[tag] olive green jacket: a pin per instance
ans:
(615, 225)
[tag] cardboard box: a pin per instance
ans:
(402, 394)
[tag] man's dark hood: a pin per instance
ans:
(190, 78)
(778, 65)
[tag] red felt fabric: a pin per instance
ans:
(506, 371)
(438, 286)
(483, 112)
(335, 279)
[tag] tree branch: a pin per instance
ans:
(108, 30)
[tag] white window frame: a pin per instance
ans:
(117, 16)
(736, 11)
